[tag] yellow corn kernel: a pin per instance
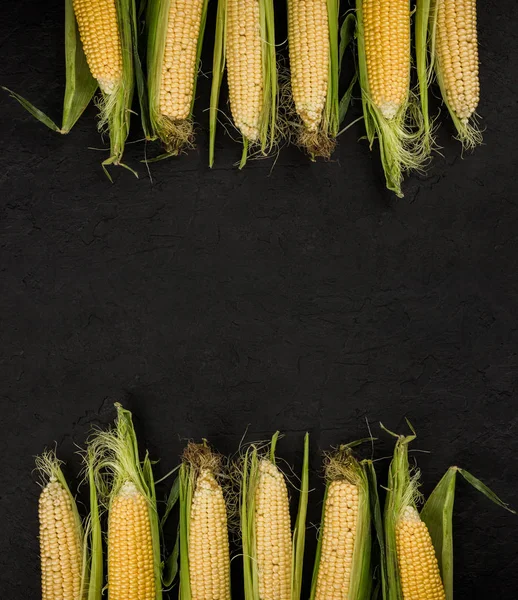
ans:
(60, 545)
(179, 65)
(308, 35)
(244, 65)
(338, 538)
(387, 49)
(209, 558)
(418, 568)
(131, 573)
(273, 533)
(457, 55)
(99, 32)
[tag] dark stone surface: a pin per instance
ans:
(300, 298)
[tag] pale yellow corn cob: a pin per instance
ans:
(308, 36)
(99, 32)
(179, 65)
(418, 568)
(209, 558)
(387, 49)
(273, 533)
(244, 65)
(457, 55)
(60, 545)
(338, 538)
(130, 552)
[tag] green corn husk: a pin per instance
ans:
(402, 140)
(378, 549)
(114, 461)
(402, 491)
(94, 534)
(196, 458)
(423, 67)
(428, 68)
(80, 85)
(114, 108)
(268, 130)
(49, 469)
(343, 466)
(247, 509)
(322, 141)
(174, 135)
(437, 513)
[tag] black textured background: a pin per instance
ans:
(304, 298)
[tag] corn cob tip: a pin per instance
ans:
(128, 489)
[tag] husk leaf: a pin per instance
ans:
(437, 513)
(80, 85)
(299, 531)
(115, 108)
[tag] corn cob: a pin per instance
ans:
(127, 489)
(390, 110)
(339, 535)
(273, 533)
(342, 565)
(245, 42)
(61, 536)
(204, 555)
(308, 34)
(130, 550)
(313, 45)
(454, 25)
(418, 567)
(175, 36)
(99, 32)
(387, 46)
(272, 560)
(244, 65)
(412, 568)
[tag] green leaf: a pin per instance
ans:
(401, 489)
(346, 35)
(95, 577)
(172, 499)
(437, 514)
(345, 101)
(35, 112)
(80, 84)
(299, 531)
(138, 50)
(377, 519)
(218, 69)
(186, 493)
(481, 487)
(172, 564)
